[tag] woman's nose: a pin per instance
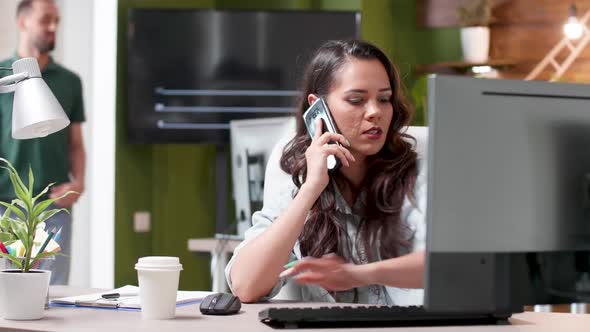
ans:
(373, 110)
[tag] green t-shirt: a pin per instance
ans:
(47, 156)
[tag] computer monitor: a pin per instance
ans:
(252, 142)
(508, 208)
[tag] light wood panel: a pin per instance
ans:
(523, 31)
(526, 42)
(526, 30)
(437, 13)
(535, 11)
(577, 73)
(443, 13)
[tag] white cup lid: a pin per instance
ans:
(158, 263)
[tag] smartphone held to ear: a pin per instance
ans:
(320, 109)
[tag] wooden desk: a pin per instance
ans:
(189, 318)
(220, 250)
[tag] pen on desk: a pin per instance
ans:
(49, 237)
(288, 270)
(291, 264)
(57, 234)
(3, 248)
(111, 296)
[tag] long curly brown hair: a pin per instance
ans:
(390, 176)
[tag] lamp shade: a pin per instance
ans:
(35, 112)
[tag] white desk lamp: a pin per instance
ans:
(35, 112)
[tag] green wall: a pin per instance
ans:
(391, 24)
(176, 182)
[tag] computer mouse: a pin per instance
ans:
(220, 304)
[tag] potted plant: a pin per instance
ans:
(474, 17)
(23, 290)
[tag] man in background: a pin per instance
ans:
(59, 157)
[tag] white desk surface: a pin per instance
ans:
(189, 318)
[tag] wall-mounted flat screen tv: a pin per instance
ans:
(192, 71)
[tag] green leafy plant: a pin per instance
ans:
(475, 13)
(23, 216)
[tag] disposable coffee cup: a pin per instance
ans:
(158, 284)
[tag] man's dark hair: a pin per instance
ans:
(24, 7)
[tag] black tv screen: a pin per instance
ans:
(192, 71)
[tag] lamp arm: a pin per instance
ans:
(6, 87)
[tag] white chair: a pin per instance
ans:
(421, 136)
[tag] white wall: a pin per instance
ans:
(74, 50)
(88, 35)
(102, 158)
(86, 44)
(8, 34)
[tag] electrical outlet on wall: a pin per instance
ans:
(141, 222)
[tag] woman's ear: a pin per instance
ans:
(311, 98)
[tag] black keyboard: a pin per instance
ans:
(372, 316)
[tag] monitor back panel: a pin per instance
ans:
(508, 194)
(509, 166)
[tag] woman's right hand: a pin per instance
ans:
(317, 154)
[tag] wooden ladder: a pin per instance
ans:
(575, 50)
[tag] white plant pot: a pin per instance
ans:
(475, 42)
(22, 295)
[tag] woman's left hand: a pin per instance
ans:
(330, 272)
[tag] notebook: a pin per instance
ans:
(128, 301)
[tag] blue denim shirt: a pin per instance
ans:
(279, 191)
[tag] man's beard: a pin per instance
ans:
(44, 46)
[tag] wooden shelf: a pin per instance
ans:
(460, 67)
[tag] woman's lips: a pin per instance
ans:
(373, 133)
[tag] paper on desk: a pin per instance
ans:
(40, 237)
(129, 302)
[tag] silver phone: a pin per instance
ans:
(320, 109)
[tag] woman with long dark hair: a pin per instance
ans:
(358, 233)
